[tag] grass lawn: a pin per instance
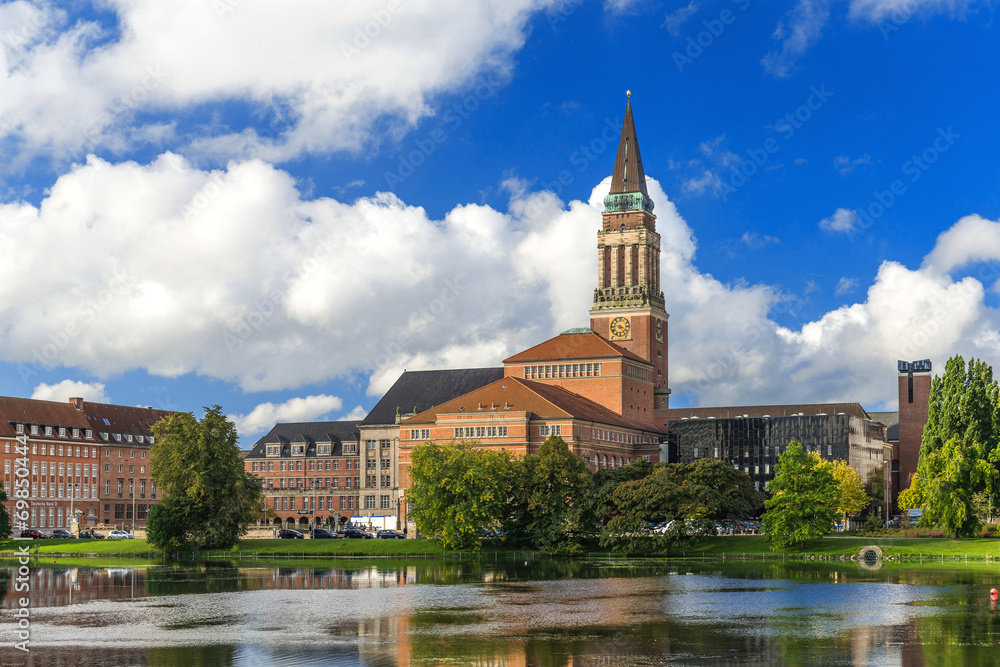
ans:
(713, 547)
(246, 548)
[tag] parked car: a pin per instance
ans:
(389, 535)
(289, 534)
(34, 534)
(119, 535)
(63, 534)
(91, 535)
(354, 534)
(322, 534)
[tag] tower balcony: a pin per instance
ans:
(634, 296)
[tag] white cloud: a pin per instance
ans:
(845, 286)
(235, 275)
(902, 10)
(802, 28)
(756, 241)
(61, 392)
(842, 221)
(324, 81)
(266, 415)
(846, 164)
(674, 20)
(357, 414)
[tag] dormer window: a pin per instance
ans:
(118, 437)
(104, 436)
(128, 437)
(274, 450)
(76, 433)
(298, 450)
(34, 429)
(19, 428)
(48, 430)
(149, 439)
(62, 432)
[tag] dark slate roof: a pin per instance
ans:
(309, 433)
(628, 175)
(425, 389)
(891, 422)
(123, 419)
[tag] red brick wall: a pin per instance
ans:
(912, 418)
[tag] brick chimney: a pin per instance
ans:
(77, 402)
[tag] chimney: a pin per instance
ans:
(77, 402)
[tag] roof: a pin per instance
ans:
(425, 389)
(539, 399)
(308, 433)
(566, 346)
(45, 413)
(628, 175)
(853, 409)
(891, 422)
(125, 419)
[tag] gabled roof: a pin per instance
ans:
(538, 399)
(30, 411)
(425, 389)
(807, 409)
(628, 175)
(584, 344)
(308, 433)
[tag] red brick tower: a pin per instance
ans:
(629, 307)
(914, 396)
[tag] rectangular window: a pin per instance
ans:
(350, 502)
(291, 503)
(384, 502)
(336, 464)
(336, 481)
(369, 502)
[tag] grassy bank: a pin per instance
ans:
(728, 548)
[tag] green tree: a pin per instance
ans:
(949, 479)
(690, 497)
(912, 497)
(550, 495)
(965, 405)
(209, 499)
(804, 499)
(457, 490)
(852, 497)
(600, 505)
(5, 526)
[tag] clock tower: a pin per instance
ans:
(629, 307)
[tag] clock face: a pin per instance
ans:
(620, 327)
(659, 330)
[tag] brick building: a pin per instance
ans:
(85, 459)
(330, 472)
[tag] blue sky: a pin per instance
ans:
(277, 207)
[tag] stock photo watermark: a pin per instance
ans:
(914, 168)
(713, 30)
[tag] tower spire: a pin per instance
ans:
(628, 181)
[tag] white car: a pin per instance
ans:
(119, 535)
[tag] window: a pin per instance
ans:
(298, 450)
(370, 444)
(107, 467)
(120, 484)
(107, 490)
(128, 438)
(48, 430)
(131, 469)
(254, 467)
(385, 444)
(369, 502)
(143, 453)
(335, 464)
(350, 502)
(335, 482)
(291, 503)
(418, 434)
(20, 429)
(546, 430)
(121, 453)
(121, 467)
(385, 463)
(88, 434)
(34, 429)
(347, 482)
(118, 437)
(131, 453)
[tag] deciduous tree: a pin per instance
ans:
(210, 500)
(853, 497)
(457, 490)
(5, 525)
(804, 500)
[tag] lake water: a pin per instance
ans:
(539, 612)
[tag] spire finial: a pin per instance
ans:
(628, 93)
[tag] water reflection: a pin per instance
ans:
(562, 613)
